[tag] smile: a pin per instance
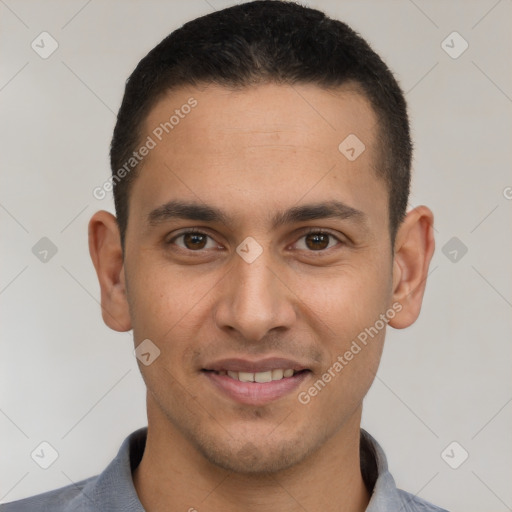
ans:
(255, 383)
(268, 376)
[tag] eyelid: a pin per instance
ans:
(324, 231)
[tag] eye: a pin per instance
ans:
(317, 240)
(193, 241)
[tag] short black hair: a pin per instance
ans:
(266, 41)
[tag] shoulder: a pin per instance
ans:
(65, 499)
(411, 503)
(110, 490)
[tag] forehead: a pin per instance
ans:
(268, 145)
(269, 112)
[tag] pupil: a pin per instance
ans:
(315, 238)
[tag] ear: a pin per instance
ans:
(414, 247)
(107, 256)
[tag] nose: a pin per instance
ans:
(254, 299)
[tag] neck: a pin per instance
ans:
(174, 476)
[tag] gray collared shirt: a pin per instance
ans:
(113, 490)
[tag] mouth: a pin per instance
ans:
(259, 377)
(255, 383)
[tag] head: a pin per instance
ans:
(263, 227)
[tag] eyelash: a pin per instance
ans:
(316, 231)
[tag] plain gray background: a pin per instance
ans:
(66, 379)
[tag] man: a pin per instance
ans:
(261, 169)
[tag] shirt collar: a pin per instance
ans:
(385, 495)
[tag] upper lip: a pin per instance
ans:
(255, 366)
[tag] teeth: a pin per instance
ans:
(263, 376)
(267, 376)
(245, 377)
(277, 374)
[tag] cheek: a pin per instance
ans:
(346, 300)
(160, 296)
(341, 385)
(346, 310)
(170, 307)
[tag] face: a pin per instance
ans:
(256, 250)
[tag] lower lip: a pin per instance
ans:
(255, 393)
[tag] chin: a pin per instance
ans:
(256, 457)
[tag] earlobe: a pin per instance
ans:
(414, 247)
(107, 256)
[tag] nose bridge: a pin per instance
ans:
(254, 301)
(255, 283)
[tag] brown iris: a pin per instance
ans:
(317, 241)
(194, 240)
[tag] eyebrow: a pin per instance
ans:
(176, 209)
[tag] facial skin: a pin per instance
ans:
(252, 154)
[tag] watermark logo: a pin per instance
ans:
(44, 455)
(249, 249)
(351, 147)
(454, 249)
(454, 455)
(454, 45)
(44, 45)
(44, 250)
(147, 352)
